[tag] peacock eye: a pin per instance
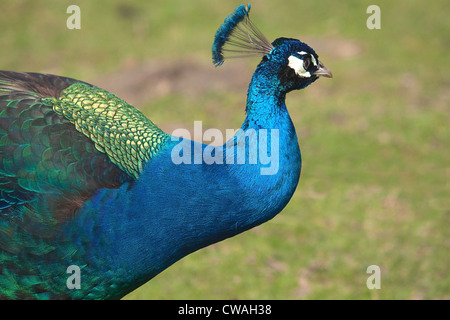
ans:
(306, 62)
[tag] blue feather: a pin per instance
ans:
(239, 35)
(225, 30)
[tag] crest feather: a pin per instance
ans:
(240, 37)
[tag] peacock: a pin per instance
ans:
(89, 184)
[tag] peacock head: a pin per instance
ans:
(289, 63)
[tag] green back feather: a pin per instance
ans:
(117, 128)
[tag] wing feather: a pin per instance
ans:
(43, 158)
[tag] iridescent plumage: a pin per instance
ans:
(87, 181)
(118, 129)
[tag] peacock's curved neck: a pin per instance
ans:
(265, 102)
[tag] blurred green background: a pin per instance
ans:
(375, 139)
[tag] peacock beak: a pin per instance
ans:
(323, 71)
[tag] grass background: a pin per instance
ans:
(375, 139)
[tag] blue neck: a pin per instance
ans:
(173, 210)
(265, 101)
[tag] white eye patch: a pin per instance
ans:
(297, 65)
(313, 59)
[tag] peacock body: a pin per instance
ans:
(87, 180)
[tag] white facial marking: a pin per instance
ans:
(297, 64)
(313, 59)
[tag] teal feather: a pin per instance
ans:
(240, 36)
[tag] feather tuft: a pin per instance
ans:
(239, 37)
